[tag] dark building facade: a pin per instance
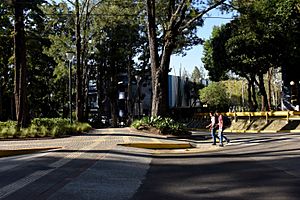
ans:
(290, 87)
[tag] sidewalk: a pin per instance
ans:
(127, 137)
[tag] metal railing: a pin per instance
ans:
(288, 115)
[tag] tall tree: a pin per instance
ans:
(79, 19)
(21, 101)
(178, 21)
(118, 40)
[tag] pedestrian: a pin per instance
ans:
(221, 129)
(212, 126)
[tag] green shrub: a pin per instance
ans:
(84, 127)
(32, 131)
(49, 122)
(60, 127)
(137, 124)
(165, 125)
(8, 124)
(4, 132)
(43, 131)
(12, 132)
(42, 127)
(55, 131)
(24, 132)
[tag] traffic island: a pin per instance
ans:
(172, 148)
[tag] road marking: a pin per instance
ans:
(17, 160)
(126, 139)
(13, 187)
(7, 167)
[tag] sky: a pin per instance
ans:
(193, 57)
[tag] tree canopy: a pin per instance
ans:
(264, 35)
(215, 96)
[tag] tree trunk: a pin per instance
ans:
(1, 104)
(262, 90)
(86, 92)
(270, 74)
(20, 69)
(163, 90)
(114, 118)
(79, 89)
(159, 69)
(113, 96)
(250, 102)
(129, 92)
(99, 90)
(176, 24)
(255, 104)
(155, 73)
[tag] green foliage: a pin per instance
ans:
(8, 124)
(43, 127)
(264, 35)
(49, 122)
(43, 131)
(164, 125)
(215, 96)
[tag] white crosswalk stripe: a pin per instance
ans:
(13, 187)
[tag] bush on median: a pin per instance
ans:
(165, 126)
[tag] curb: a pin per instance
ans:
(15, 152)
(159, 145)
(171, 148)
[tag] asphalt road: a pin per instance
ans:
(252, 166)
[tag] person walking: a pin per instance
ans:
(212, 127)
(221, 129)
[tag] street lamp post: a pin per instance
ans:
(70, 57)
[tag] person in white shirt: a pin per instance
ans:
(212, 127)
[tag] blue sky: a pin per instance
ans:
(193, 57)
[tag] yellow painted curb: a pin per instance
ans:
(257, 131)
(238, 131)
(159, 145)
(295, 131)
(14, 152)
(269, 131)
(187, 151)
(171, 148)
(252, 131)
(233, 131)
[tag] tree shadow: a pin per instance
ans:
(120, 172)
